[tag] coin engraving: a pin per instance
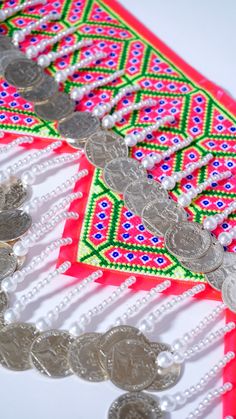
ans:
(3, 306)
(229, 292)
(217, 277)
(135, 406)
(78, 127)
(42, 91)
(13, 224)
(15, 194)
(23, 73)
(8, 261)
(5, 43)
(7, 56)
(49, 353)
(209, 262)
(83, 358)
(118, 173)
(55, 108)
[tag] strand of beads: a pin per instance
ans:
(46, 322)
(132, 139)
(185, 199)
(170, 403)
(103, 108)
(210, 223)
(11, 11)
(147, 324)
(169, 182)
(16, 142)
(10, 283)
(227, 237)
(209, 399)
(85, 319)
(62, 75)
(77, 93)
(13, 313)
(108, 121)
(46, 59)
(33, 51)
(19, 36)
(152, 159)
(135, 308)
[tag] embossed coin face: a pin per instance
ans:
(114, 335)
(13, 224)
(229, 292)
(78, 127)
(217, 277)
(8, 261)
(187, 240)
(2, 197)
(83, 358)
(158, 215)
(3, 306)
(5, 43)
(15, 194)
(141, 192)
(49, 353)
(56, 107)
(209, 262)
(42, 91)
(23, 73)
(100, 149)
(7, 56)
(135, 406)
(118, 173)
(15, 342)
(165, 377)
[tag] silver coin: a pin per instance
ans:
(114, 335)
(49, 353)
(8, 261)
(5, 43)
(104, 147)
(15, 342)
(118, 173)
(83, 358)
(3, 307)
(187, 240)
(229, 292)
(141, 192)
(131, 365)
(209, 262)
(78, 127)
(2, 197)
(165, 377)
(42, 91)
(159, 214)
(55, 108)
(7, 56)
(135, 406)
(217, 277)
(13, 224)
(23, 73)
(15, 194)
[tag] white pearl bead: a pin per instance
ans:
(184, 200)
(168, 183)
(148, 163)
(165, 359)
(167, 403)
(108, 122)
(225, 239)
(19, 249)
(31, 52)
(210, 223)
(178, 358)
(60, 76)
(28, 178)
(130, 140)
(8, 284)
(178, 345)
(10, 316)
(41, 325)
(145, 326)
(43, 61)
(180, 398)
(75, 329)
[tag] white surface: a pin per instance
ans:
(201, 32)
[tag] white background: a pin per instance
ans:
(202, 33)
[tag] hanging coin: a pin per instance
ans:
(5, 43)
(8, 261)
(78, 127)
(23, 73)
(49, 353)
(55, 108)
(229, 292)
(13, 224)
(2, 197)
(42, 91)
(15, 194)
(217, 277)
(7, 56)
(209, 262)
(3, 307)
(135, 406)
(104, 147)
(118, 173)
(187, 240)
(15, 342)
(83, 358)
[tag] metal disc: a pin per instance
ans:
(7, 56)
(114, 335)
(229, 292)
(56, 107)
(15, 194)
(15, 342)
(209, 262)
(217, 277)
(142, 191)
(78, 127)
(3, 306)
(158, 215)
(131, 365)
(135, 406)
(104, 147)
(5, 43)
(187, 240)
(49, 353)
(2, 197)
(23, 73)
(83, 358)
(8, 261)
(165, 377)
(13, 224)
(118, 173)
(42, 91)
